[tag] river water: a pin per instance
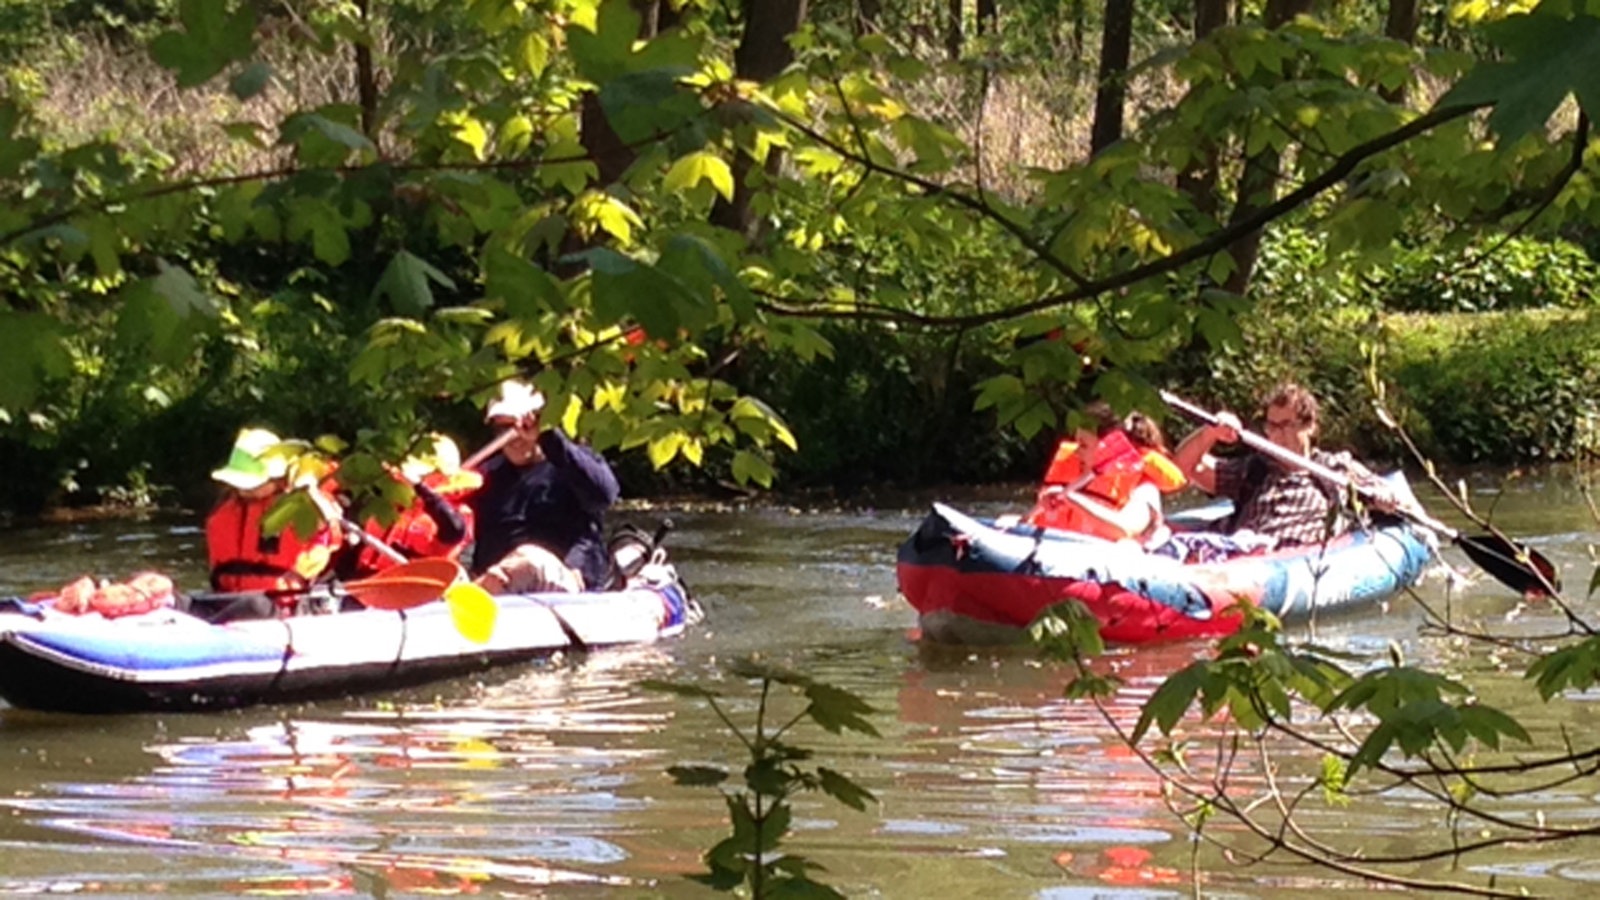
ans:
(549, 780)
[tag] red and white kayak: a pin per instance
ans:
(973, 582)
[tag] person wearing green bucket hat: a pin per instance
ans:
(242, 557)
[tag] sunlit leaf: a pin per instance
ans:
(690, 170)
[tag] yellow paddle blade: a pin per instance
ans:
(473, 610)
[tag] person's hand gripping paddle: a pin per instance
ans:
(1517, 566)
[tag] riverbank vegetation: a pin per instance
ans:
(873, 320)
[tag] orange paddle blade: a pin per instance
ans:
(406, 585)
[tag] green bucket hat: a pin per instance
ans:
(248, 466)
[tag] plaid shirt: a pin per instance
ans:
(1290, 505)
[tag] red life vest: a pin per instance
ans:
(244, 559)
(1119, 468)
(142, 593)
(415, 534)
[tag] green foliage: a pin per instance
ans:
(1490, 274)
(1254, 676)
(1501, 387)
(535, 189)
(760, 814)
(1415, 715)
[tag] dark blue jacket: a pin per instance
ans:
(558, 503)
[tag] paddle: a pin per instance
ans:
(488, 450)
(1517, 566)
(420, 581)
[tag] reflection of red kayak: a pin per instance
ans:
(975, 583)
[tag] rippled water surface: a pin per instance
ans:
(549, 780)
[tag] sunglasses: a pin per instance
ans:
(1288, 423)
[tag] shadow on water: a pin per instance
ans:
(550, 780)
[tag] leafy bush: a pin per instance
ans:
(1522, 273)
(1502, 388)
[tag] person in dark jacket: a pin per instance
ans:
(541, 511)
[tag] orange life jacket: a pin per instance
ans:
(415, 534)
(244, 559)
(1119, 468)
(142, 593)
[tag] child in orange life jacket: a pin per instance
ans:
(242, 557)
(1109, 483)
(439, 520)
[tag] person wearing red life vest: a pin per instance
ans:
(439, 522)
(1108, 482)
(241, 555)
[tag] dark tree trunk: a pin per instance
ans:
(1402, 26)
(869, 15)
(611, 156)
(1112, 86)
(952, 33)
(1078, 16)
(986, 16)
(763, 52)
(366, 78)
(1258, 183)
(1199, 178)
(1209, 15)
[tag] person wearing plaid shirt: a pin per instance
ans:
(1289, 506)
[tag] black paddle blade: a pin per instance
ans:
(1515, 566)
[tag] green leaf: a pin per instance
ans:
(251, 80)
(776, 824)
(405, 281)
(682, 690)
(844, 790)
(697, 776)
(664, 449)
(1551, 55)
(837, 709)
(1171, 700)
(999, 390)
(642, 105)
(175, 285)
(1576, 667)
(689, 171)
(320, 221)
(31, 353)
(602, 52)
(566, 163)
(528, 290)
(751, 467)
(321, 140)
(211, 38)
(533, 52)
(295, 511)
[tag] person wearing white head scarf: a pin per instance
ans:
(540, 514)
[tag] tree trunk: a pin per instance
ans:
(366, 79)
(986, 16)
(763, 52)
(649, 17)
(764, 49)
(952, 34)
(611, 156)
(1402, 26)
(869, 14)
(1112, 89)
(1258, 183)
(1078, 15)
(1199, 178)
